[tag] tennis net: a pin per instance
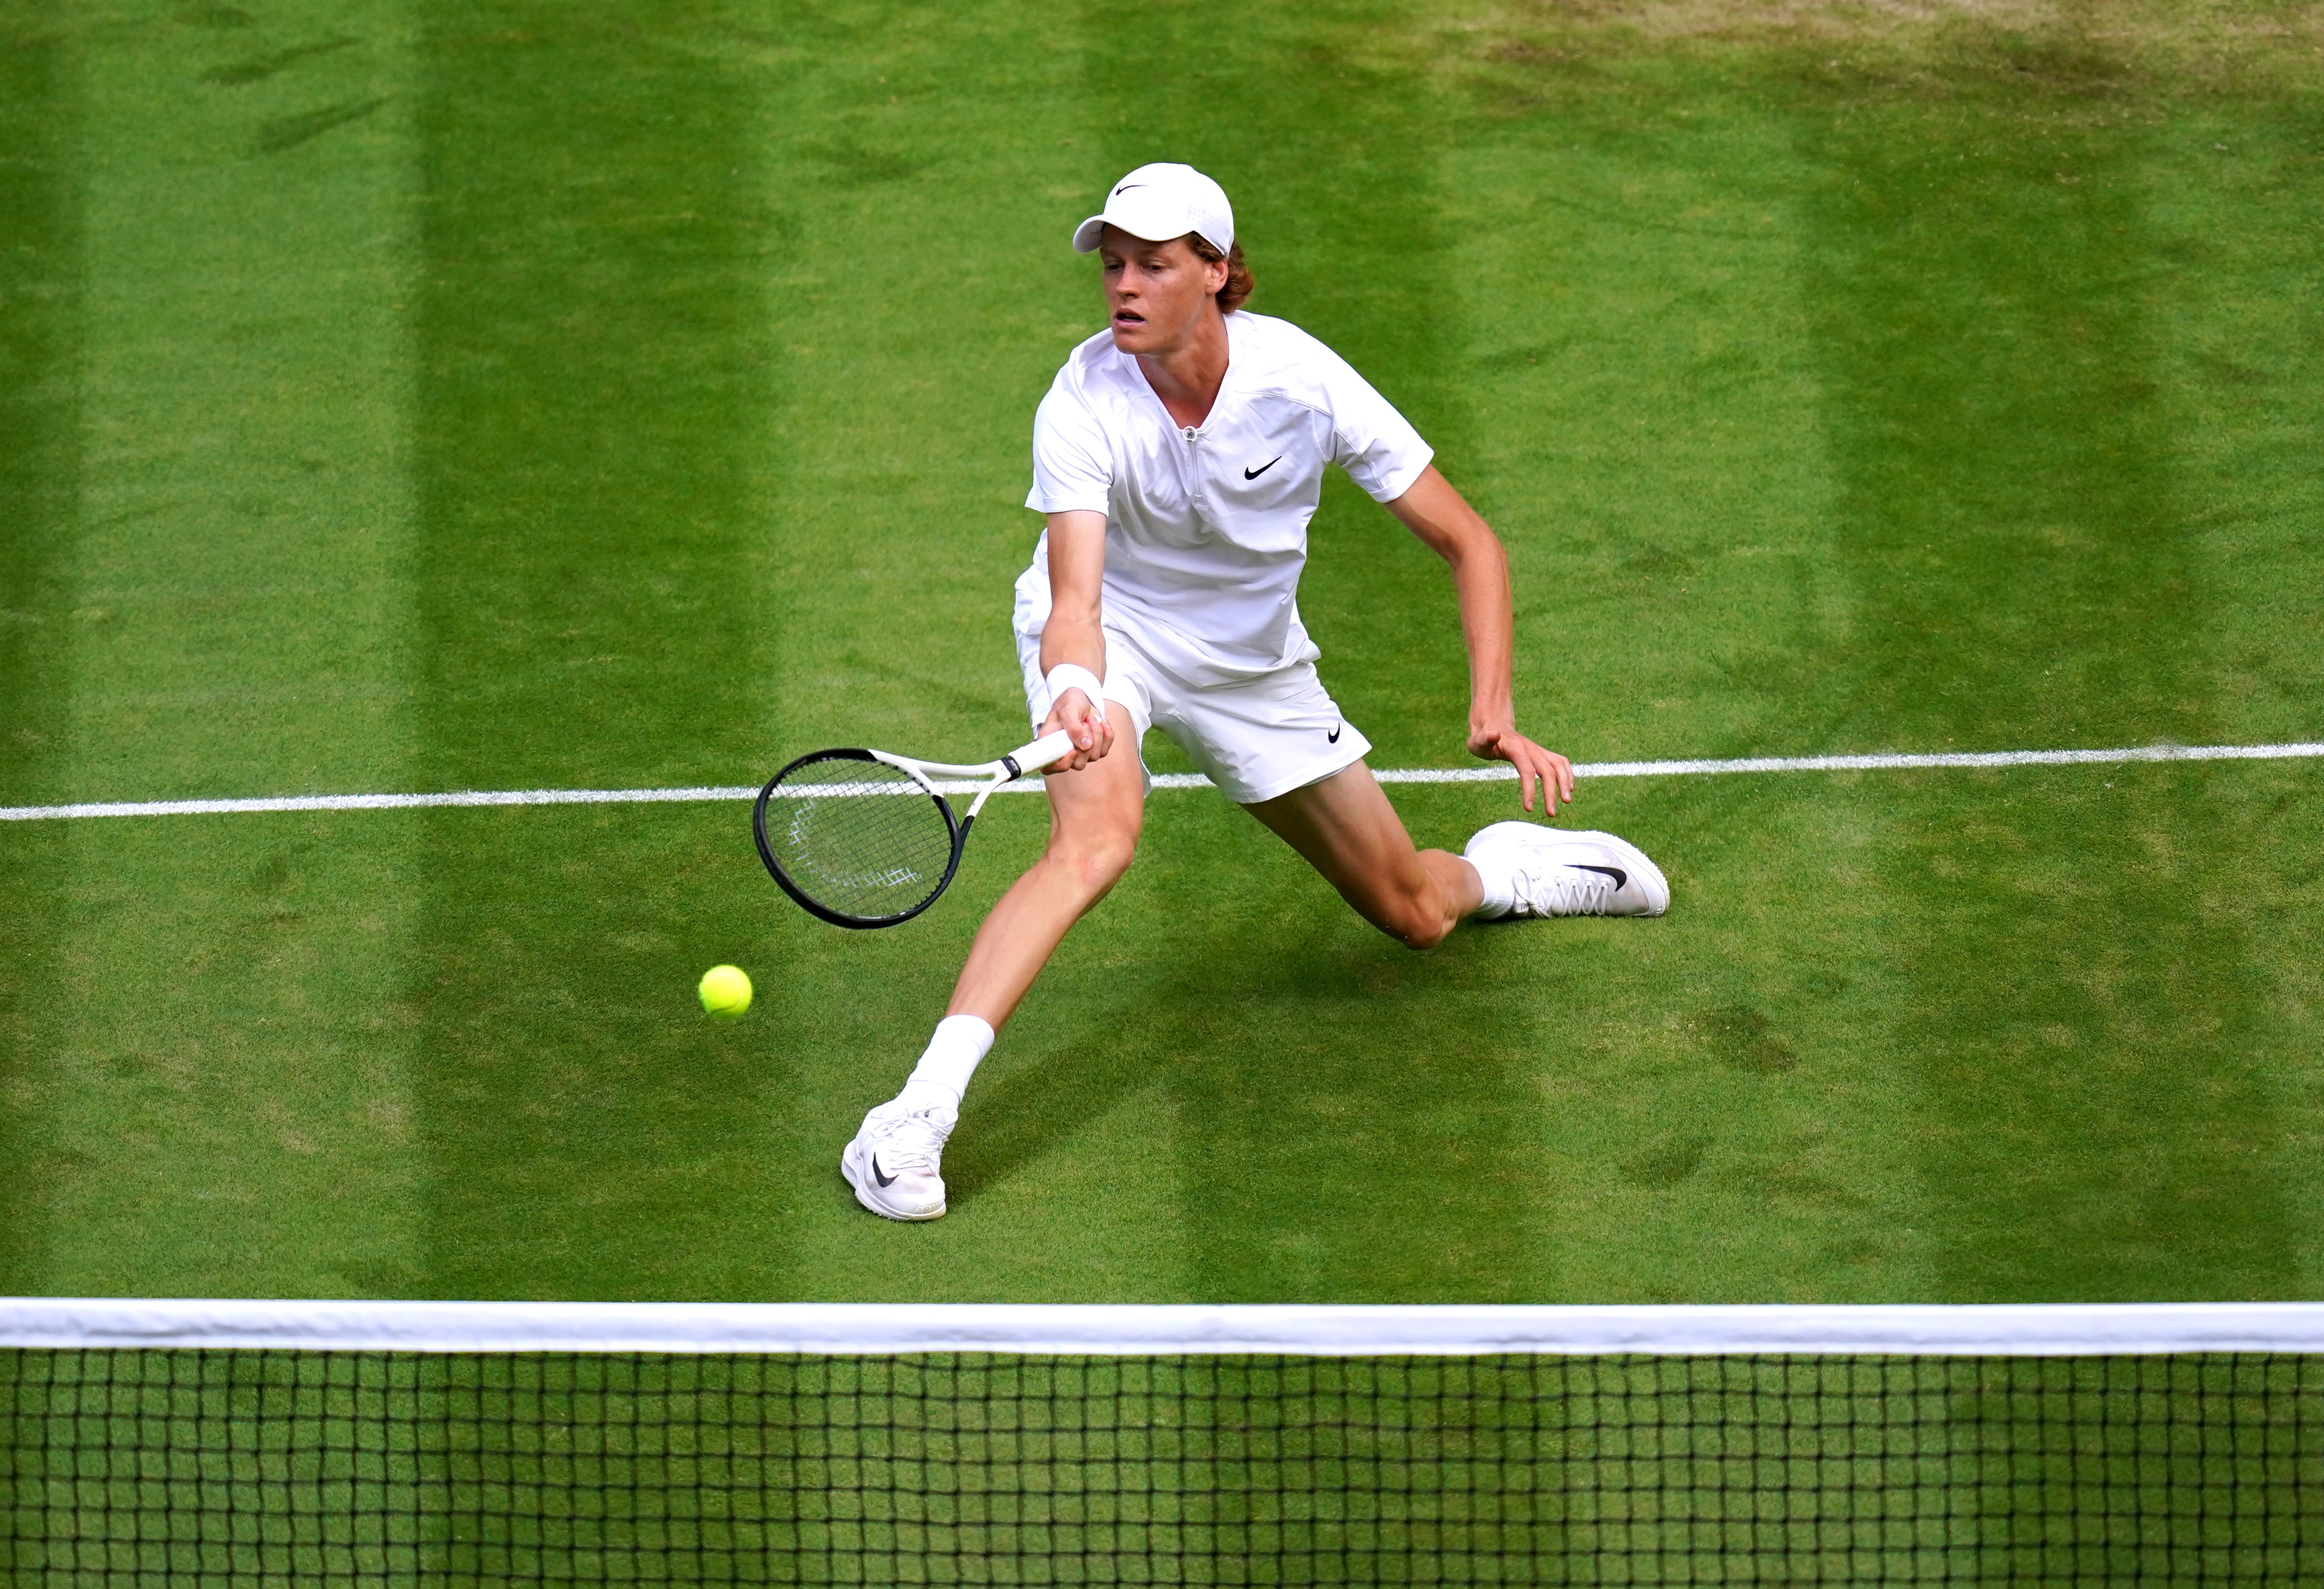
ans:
(329, 1443)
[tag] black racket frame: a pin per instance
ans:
(956, 823)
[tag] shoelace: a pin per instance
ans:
(912, 1141)
(1564, 890)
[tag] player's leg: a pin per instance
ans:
(895, 1162)
(1094, 818)
(1347, 830)
(1278, 746)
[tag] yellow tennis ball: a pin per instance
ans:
(725, 991)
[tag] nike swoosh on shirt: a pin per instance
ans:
(1255, 474)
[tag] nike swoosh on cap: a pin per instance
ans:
(1126, 187)
(1255, 474)
(885, 1180)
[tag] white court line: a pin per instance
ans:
(623, 797)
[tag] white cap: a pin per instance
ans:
(1161, 201)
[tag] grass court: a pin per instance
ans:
(410, 395)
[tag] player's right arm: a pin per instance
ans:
(1074, 633)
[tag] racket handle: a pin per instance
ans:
(1043, 750)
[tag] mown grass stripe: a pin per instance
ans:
(2075, 985)
(597, 372)
(41, 439)
(1497, 774)
(233, 1111)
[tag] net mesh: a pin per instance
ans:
(858, 838)
(274, 1467)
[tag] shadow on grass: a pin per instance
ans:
(1354, 1121)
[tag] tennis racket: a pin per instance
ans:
(866, 838)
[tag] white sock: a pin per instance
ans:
(1500, 885)
(960, 1044)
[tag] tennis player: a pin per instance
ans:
(1178, 456)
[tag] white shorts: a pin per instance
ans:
(1255, 738)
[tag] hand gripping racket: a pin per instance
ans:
(866, 838)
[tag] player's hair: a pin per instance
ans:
(1232, 296)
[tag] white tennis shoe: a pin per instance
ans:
(896, 1162)
(1543, 872)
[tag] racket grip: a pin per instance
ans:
(1043, 750)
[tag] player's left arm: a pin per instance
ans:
(1432, 510)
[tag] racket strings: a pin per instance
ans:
(858, 838)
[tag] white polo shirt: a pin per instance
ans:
(1206, 528)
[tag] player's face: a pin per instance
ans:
(1158, 292)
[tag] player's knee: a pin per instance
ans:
(1097, 859)
(1417, 920)
(1421, 932)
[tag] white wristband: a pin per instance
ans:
(1067, 675)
